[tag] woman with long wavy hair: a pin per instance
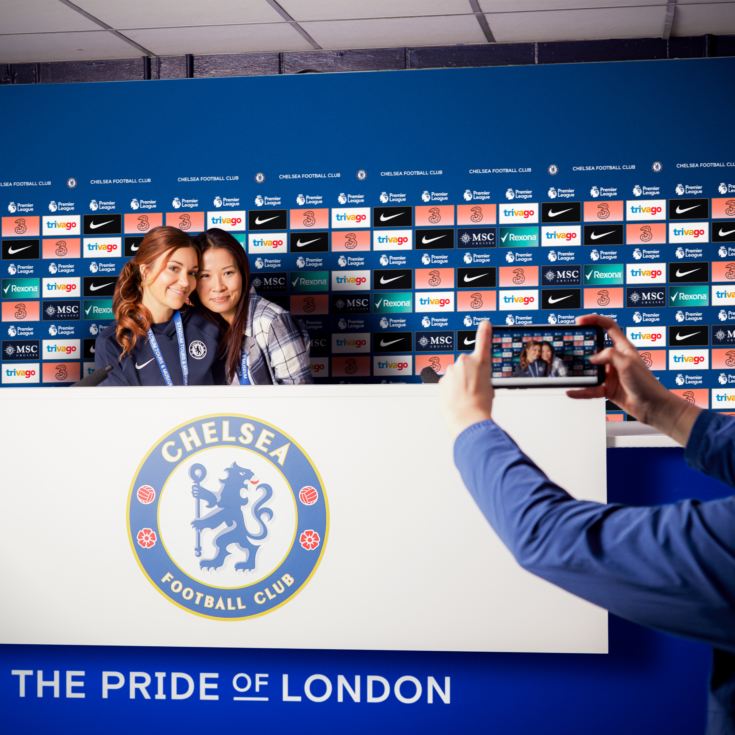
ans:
(155, 339)
(261, 343)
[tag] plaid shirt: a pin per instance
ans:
(277, 347)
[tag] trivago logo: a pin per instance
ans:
(392, 240)
(723, 295)
(61, 225)
(558, 236)
(350, 280)
(231, 221)
(355, 342)
(683, 232)
(351, 217)
(646, 209)
(21, 373)
(518, 213)
(393, 365)
(518, 300)
(434, 301)
(649, 273)
(273, 242)
(723, 398)
(60, 288)
(61, 349)
(647, 336)
(106, 247)
(688, 359)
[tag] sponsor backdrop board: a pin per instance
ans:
(227, 519)
(390, 211)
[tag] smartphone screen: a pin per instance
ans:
(545, 357)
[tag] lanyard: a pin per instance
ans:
(244, 374)
(180, 339)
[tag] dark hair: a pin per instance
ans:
(134, 319)
(550, 346)
(233, 334)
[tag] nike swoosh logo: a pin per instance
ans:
(134, 248)
(469, 342)
(14, 251)
(469, 279)
(259, 221)
(97, 225)
(552, 300)
(561, 211)
(502, 239)
(385, 281)
(595, 236)
(300, 244)
(147, 362)
(681, 274)
(682, 337)
(95, 287)
(383, 218)
(426, 240)
(725, 233)
(383, 343)
(679, 210)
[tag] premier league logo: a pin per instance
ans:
(227, 517)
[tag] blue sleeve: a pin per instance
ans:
(107, 352)
(670, 567)
(711, 446)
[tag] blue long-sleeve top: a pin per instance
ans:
(670, 567)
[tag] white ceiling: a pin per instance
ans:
(74, 30)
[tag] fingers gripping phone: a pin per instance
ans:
(545, 356)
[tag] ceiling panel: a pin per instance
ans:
(575, 25)
(73, 46)
(221, 39)
(384, 33)
(701, 18)
(353, 9)
(37, 16)
(506, 6)
(175, 13)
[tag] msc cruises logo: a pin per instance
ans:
(228, 517)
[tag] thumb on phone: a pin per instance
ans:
(482, 342)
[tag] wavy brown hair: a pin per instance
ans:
(233, 334)
(134, 319)
(524, 352)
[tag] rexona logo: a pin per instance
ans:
(553, 236)
(392, 303)
(98, 309)
(242, 524)
(518, 300)
(647, 209)
(230, 221)
(688, 359)
(21, 288)
(649, 273)
(308, 282)
(107, 247)
(647, 337)
(518, 237)
(60, 288)
(393, 240)
(512, 213)
(688, 296)
(350, 280)
(689, 232)
(604, 275)
(61, 225)
(351, 217)
(61, 349)
(21, 373)
(435, 301)
(273, 242)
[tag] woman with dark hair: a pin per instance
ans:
(555, 367)
(262, 344)
(154, 340)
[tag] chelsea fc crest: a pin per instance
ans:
(228, 517)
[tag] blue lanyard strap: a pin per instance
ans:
(244, 374)
(181, 340)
